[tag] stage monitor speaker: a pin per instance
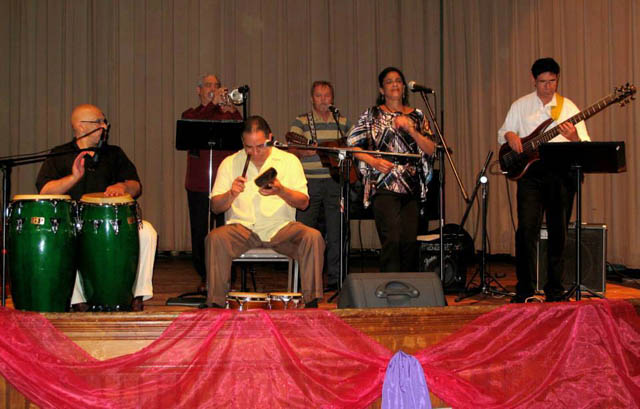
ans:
(384, 290)
(458, 255)
(592, 253)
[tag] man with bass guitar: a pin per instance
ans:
(542, 191)
(318, 127)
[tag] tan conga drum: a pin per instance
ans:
(247, 301)
(285, 301)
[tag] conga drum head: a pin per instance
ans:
(42, 246)
(285, 300)
(100, 198)
(108, 245)
(243, 301)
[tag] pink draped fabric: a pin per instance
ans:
(559, 355)
(584, 354)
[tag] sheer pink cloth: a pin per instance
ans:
(562, 355)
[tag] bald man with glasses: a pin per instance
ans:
(76, 173)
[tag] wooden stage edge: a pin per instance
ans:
(107, 335)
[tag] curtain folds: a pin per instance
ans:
(140, 61)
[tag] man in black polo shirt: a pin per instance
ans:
(77, 173)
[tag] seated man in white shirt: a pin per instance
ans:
(261, 216)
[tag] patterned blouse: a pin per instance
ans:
(375, 131)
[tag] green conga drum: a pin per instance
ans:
(108, 247)
(42, 251)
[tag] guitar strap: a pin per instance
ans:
(555, 110)
(312, 127)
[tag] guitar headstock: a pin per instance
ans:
(624, 93)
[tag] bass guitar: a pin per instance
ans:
(328, 160)
(514, 165)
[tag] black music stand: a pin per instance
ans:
(225, 135)
(583, 157)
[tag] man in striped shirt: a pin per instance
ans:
(318, 127)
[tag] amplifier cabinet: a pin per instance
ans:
(593, 255)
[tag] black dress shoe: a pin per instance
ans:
(520, 299)
(331, 287)
(312, 304)
(555, 297)
(137, 304)
(209, 305)
(80, 307)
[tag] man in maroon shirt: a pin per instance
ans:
(213, 106)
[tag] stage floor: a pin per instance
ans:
(174, 275)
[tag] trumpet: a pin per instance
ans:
(233, 97)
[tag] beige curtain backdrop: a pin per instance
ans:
(140, 60)
(489, 47)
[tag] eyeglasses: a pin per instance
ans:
(260, 146)
(98, 121)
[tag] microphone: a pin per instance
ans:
(414, 87)
(334, 110)
(96, 156)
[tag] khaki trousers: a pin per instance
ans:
(295, 240)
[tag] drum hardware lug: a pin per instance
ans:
(139, 215)
(55, 223)
(116, 226)
(79, 224)
(19, 223)
(96, 225)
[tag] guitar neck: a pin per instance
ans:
(581, 116)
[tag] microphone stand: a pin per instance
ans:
(7, 164)
(344, 160)
(485, 277)
(441, 150)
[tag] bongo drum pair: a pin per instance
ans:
(243, 301)
(50, 237)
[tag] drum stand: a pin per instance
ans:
(486, 279)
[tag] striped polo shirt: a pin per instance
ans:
(325, 131)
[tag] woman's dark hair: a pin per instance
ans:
(382, 75)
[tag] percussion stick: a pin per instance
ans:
(246, 165)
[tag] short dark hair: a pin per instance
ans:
(545, 65)
(322, 84)
(256, 123)
(383, 73)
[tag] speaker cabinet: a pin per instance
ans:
(384, 290)
(458, 255)
(592, 254)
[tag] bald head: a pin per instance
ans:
(86, 118)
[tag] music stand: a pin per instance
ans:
(583, 157)
(224, 135)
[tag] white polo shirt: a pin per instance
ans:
(264, 215)
(528, 112)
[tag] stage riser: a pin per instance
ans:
(113, 334)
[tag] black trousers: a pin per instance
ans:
(325, 193)
(198, 216)
(550, 193)
(396, 218)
